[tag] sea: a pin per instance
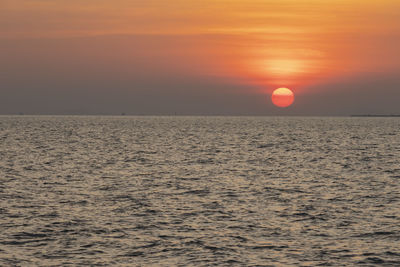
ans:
(199, 191)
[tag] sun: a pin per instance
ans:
(282, 97)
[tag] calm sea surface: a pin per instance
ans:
(199, 191)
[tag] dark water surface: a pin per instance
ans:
(199, 191)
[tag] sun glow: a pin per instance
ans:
(282, 97)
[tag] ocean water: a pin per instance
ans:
(199, 191)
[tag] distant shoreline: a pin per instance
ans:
(200, 115)
(377, 116)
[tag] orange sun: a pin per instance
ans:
(282, 97)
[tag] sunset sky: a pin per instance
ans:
(339, 57)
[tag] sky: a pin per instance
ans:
(209, 57)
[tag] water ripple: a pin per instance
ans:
(199, 191)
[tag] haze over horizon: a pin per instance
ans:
(199, 58)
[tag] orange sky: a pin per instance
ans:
(262, 43)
